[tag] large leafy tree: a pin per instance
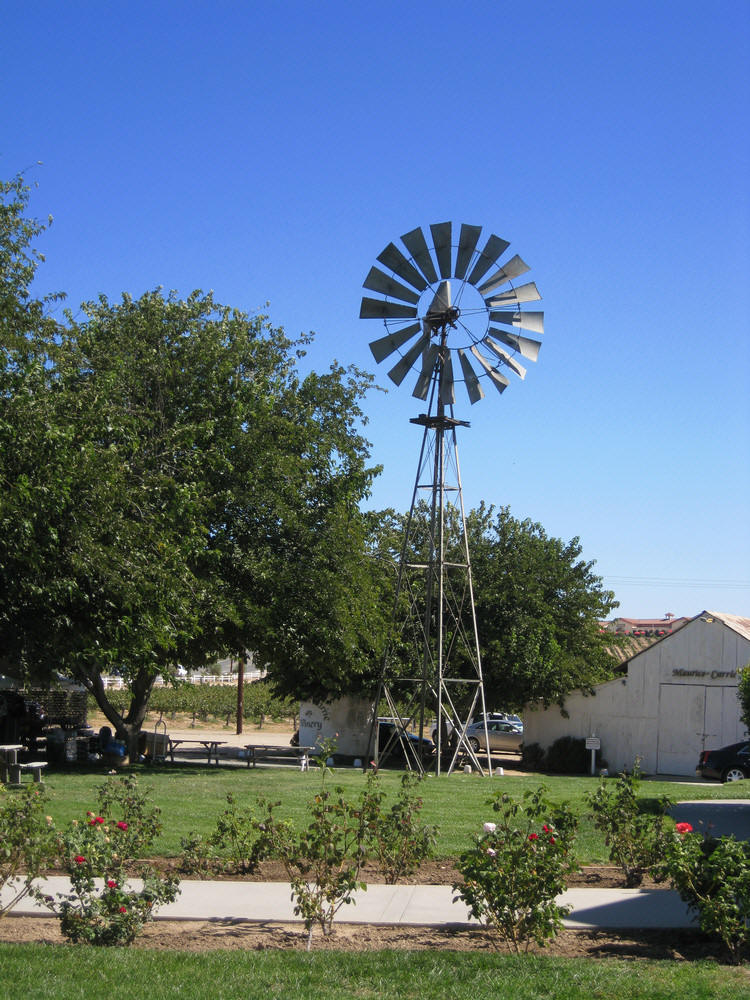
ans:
(172, 489)
(538, 606)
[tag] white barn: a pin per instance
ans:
(675, 698)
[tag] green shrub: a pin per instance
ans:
(209, 701)
(713, 877)
(635, 838)
(398, 840)
(28, 842)
(517, 868)
(323, 861)
(567, 755)
(532, 757)
(102, 908)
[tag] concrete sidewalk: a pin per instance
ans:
(430, 905)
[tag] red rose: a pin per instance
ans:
(123, 909)
(79, 859)
(122, 825)
(683, 828)
(111, 884)
(533, 836)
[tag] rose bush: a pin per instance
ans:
(635, 837)
(517, 868)
(28, 842)
(103, 907)
(397, 838)
(712, 875)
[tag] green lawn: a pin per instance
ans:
(191, 798)
(35, 971)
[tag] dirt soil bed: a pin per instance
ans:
(434, 872)
(205, 935)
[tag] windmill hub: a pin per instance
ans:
(440, 320)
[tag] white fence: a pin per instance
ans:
(224, 680)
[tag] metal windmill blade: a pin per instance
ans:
(505, 358)
(467, 244)
(429, 360)
(377, 281)
(512, 269)
(492, 252)
(385, 346)
(441, 235)
(416, 244)
(533, 321)
(473, 387)
(525, 346)
(400, 370)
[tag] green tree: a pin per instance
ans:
(172, 489)
(743, 693)
(538, 611)
(538, 605)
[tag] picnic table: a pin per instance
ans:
(210, 746)
(267, 751)
(10, 769)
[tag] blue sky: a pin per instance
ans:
(270, 151)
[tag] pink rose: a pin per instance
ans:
(122, 825)
(683, 828)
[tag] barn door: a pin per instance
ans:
(682, 720)
(723, 725)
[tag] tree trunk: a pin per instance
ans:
(127, 728)
(240, 691)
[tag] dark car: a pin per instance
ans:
(730, 763)
(390, 744)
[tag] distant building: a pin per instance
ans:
(645, 626)
(673, 699)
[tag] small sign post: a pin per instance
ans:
(593, 743)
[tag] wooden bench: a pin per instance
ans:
(256, 752)
(210, 747)
(36, 767)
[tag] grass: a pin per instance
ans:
(40, 971)
(191, 798)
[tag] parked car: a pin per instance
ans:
(388, 738)
(730, 763)
(513, 720)
(503, 736)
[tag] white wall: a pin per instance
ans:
(347, 721)
(679, 697)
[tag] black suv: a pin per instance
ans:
(731, 763)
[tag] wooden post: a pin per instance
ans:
(240, 691)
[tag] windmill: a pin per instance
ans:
(441, 302)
